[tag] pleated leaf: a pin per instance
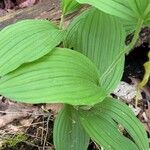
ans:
(147, 16)
(69, 6)
(130, 10)
(26, 41)
(147, 23)
(139, 7)
(101, 124)
(68, 132)
(101, 38)
(62, 76)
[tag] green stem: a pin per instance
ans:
(61, 26)
(136, 36)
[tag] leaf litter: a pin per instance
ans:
(30, 127)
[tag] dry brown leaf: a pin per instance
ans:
(27, 122)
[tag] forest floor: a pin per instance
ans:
(25, 126)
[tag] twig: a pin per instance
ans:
(47, 129)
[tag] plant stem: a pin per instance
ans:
(136, 36)
(61, 25)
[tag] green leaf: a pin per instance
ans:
(26, 41)
(124, 116)
(68, 133)
(62, 76)
(69, 6)
(147, 14)
(139, 7)
(101, 38)
(130, 10)
(113, 7)
(147, 23)
(101, 124)
(129, 27)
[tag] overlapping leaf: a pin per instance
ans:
(100, 124)
(130, 10)
(139, 7)
(101, 38)
(68, 133)
(26, 41)
(63, 76)
(69, 6)
(147, 16)
(113, 7)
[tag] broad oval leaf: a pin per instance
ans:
(101, 38)
(69, 6)
(26, 41)
(68, 132)
(113, 7)
(62, 76)
(100, 123)
(105, 133)
(130, 10)
(124, 116)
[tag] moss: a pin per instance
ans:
(13, 141)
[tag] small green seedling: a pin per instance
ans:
(79, 66)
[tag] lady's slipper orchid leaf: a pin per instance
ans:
(102, 123)
(68, 132)
(129, 10)
(101, 38)
(26, 41)
(62, 76)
